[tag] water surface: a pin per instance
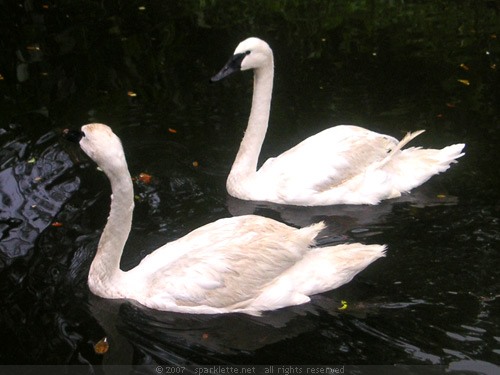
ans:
(143, 68)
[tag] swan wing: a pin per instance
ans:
(326, 160)
(229, 262)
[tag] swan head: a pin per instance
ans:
(100, 143)
(252, 53)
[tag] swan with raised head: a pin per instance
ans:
(341, 165)
(243, 264)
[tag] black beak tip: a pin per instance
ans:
(214, 79)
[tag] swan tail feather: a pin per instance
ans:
(414, 166)
(406, 139)
(327, 268)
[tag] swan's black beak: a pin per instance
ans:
(233, 65)
(73, 135)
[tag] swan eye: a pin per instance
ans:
(248, 52)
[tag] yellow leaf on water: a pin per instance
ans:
(441, 196)
(464, 81)
(102, 346)
(344, 305)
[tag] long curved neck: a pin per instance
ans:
(248, 154)
(105, 268)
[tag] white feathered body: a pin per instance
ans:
(343, 165)
(242, 264)
(340, 165)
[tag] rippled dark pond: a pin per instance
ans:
(143, 67)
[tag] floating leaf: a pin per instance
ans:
(450, 105)
(1, 77)
(142, 8)
(344, 305)
(195, 164)
(32, 160)
(57, 224)
(145, 178)
(441, 196)
(33, 48)
(465, 67)
(102, 346)
(440, 115)
(172, 130)
(464, 81)
(205, 336)
(493, 66)
(38, 178)
(131, 93)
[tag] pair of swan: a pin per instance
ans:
(249, 263)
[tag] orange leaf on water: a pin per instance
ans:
(172, 130)
(195, 164)
(57, 224)
(145, 178)
(465, 67)
(102, 346)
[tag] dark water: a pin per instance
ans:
(143, 68)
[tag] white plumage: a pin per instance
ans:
(242, 264)
(341, 165)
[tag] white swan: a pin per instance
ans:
(241, 264)
(340, 165)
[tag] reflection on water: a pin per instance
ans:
(144, 69)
